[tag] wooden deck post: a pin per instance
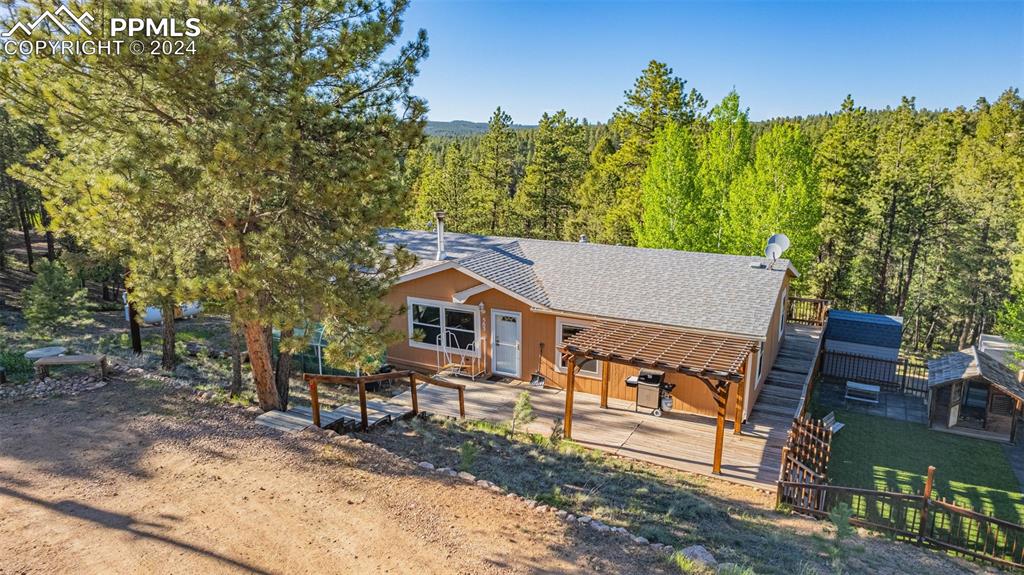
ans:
(722, 399)
(604, 383)
(923, 528)
(570, 386)
(412, 393)
(738, 423)
(365, 420)
(314, 401)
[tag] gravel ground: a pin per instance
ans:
(138, 477)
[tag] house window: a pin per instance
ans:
(563, 331)
(760, 361)
(782, 314)
(459, 324)
(1002, 404)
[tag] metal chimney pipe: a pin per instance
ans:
(584, 239)
(441, 255)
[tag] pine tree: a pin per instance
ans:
(284, 150)
(555, 170)
(55, 300)
(596, 194)
(657, 98)
(845, 160)
(444, 187)
(494, 177)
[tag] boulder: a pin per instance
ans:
(699, 555)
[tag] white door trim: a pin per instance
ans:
(519, 342)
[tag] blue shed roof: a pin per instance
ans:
(865, 328)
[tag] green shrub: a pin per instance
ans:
(54, 300)
(14, 363)
(522, 412)
(557, 432)
(467, 455)
(840, 518)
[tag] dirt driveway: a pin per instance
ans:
(135, 478)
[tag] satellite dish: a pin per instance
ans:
(777, 244)
(781, 240)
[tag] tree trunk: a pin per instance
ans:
(257, 343)
(885, 245)
(133, 323)
(236, 362)
(915, 248)
(283, 371)
(167, 358)
(25, 232)
(51, 252)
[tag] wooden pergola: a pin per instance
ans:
(716, 360)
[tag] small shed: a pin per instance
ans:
(865, 334)
(972, 393)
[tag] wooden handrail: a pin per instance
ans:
(442, 383)
(808, 387)
(313, 381)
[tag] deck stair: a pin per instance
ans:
(345, 417)
(781, 392)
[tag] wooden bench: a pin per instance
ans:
(862, 392)
(830, 422)
(43, 365)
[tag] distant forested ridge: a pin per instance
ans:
(901, 211)
(457, 128)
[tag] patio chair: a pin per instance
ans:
(830, 422)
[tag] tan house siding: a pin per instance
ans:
(771, 348)
(537, 350)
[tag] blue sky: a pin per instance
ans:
(783, 58)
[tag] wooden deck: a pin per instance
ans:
(680, 441)
(677, 440)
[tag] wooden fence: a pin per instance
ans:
(915, 518)
(805, 460)
(903, 375)
(808, 311)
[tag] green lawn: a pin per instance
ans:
(873, 452)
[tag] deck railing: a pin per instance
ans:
(807, 391)
(411, 377)
(808, 311)
(902, 375)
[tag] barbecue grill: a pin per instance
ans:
(652, 392)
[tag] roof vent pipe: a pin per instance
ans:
(441, 255)
(584, 239)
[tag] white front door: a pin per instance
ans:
(505, 343)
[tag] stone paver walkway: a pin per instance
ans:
(890, 405)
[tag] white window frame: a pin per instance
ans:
(782, 314)
(760, 361)
(559, 367)
(443, 305)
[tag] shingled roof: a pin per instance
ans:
(713, 292)
(971, 363)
